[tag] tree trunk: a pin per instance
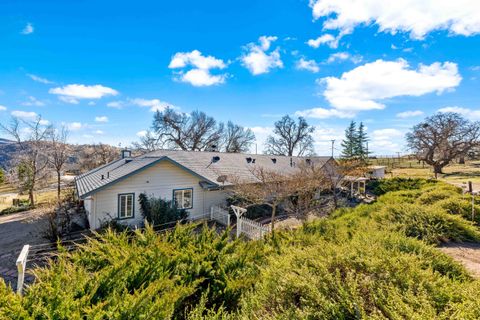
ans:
(437, 169)
(31, 198)
(58, 187)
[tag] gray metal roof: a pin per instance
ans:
(203, 164)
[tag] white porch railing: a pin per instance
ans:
(252, 229)
(220, 215)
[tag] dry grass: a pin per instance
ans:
(46, 198)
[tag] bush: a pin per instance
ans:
(380, 187)
(159, 212)
(15, 209)
(461, 207)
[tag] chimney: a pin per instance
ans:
(126, 153)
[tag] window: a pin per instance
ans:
(183, 198)
(125, 205)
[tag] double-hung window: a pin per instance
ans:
(183, 198)
(125, 205)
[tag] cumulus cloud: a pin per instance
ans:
(256, 58)
(409, 114)
(386, 140)
(3, 108)
(102, 119)
(326, 39)
(261, 134)
(39, 79)
(309, 65)
(28, 29)
(74, 126)
(467, 112)
(200, 73)
(27, 115)
(342, 56)
(115, 104)
(153, 104)
(323, 113)
(72, 93)
(33, 102)
(418, 18)
(142, 133)
(364, 87)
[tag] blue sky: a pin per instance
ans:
(101, 67)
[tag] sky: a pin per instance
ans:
(102, 68)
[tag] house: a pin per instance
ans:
(193, 180)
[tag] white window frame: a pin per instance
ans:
(128, 211)
(180, 203)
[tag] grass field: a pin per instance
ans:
(42, 198)
(454, 173)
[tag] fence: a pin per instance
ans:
(220, 215)
(252, 229)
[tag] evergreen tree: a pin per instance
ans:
(350, 142)
(361, 142)
(2, 176)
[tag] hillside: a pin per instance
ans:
(373, 261)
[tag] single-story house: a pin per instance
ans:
(192, 180)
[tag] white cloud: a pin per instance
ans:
(39, 79)
(115, 104)
(261, 134)
(88, 136)
(74, 126)
(44, 122)
(142, 133)
(322, 113)
(91, 103)
(342, 56)
(32, 101)
(200, 74)
(257, 60)
(386, 134)
(326, 39)
(153, 104)
(418, 18)
(387, 140)
(364, 87)
(102, 119)
(309, 65)
(27, 115)
(99, 132)
(73, 92)
(3, 108)
(28, 29)
(466, 112)
(409, 114)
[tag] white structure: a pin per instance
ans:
(192, 180)
(377, 172)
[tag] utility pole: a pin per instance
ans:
(333, 143)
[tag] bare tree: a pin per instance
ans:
(291, 137)
(30, 136)
(96, 155)
(58, 154)
(442, 138)
(237, 138)
(195, 131)
(148, 142)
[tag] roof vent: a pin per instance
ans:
(308, 161)
(215, 159)
(103, 177)
(274, 160)
(253, 160)
(108, 174)
(249, 159)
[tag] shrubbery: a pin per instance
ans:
(159, 211)
(372, 261)
(380, 187)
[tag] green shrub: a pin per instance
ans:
(431, 197)
(15, 209)
(380, 187)
(10, 304)
(160, 212)
(460, 206)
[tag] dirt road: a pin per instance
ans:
(467, 254)
(17, 230)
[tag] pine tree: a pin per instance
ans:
(361, 142)
(350, 141)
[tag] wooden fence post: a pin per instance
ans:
(21, 266)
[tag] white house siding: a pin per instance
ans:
(159, 180)
(88, 205)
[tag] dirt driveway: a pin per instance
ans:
(17, 230)
(467, 254)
